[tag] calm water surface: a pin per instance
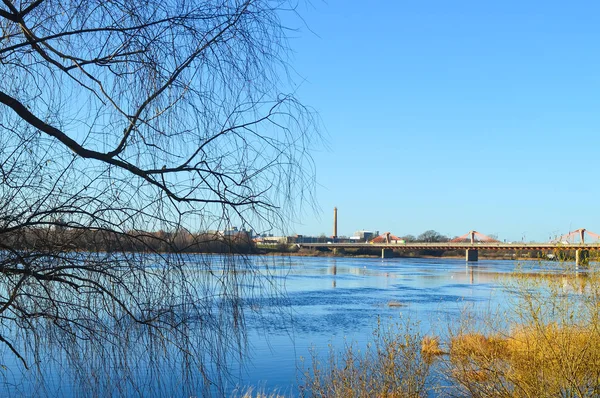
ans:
(333, 300)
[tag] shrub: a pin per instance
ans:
(390, 366)
(551, 347)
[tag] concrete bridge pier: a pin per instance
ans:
(472, 255)
(387, 253)
(582, 257)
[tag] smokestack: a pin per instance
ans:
(334, 222)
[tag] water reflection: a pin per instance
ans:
(333, 271)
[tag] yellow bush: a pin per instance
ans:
(552, 349)
(430, 347)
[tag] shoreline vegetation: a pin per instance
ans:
(546, 344)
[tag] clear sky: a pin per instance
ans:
(454, 115)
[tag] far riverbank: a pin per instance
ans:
(376, 253)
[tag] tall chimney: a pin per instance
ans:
(334, 222)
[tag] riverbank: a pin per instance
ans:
(376, 253)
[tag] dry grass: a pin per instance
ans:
(390, 366)
(475, 345)
(430, 348)
(536, 360)
(557, 359)
(250, 393)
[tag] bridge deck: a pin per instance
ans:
(456, 245)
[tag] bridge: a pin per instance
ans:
(472, 242)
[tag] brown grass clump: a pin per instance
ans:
(475, 345)
(543, 361)
(391, 366)
(558, 359)
(430, 348)
(546, 344)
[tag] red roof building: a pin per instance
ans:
(387, 237)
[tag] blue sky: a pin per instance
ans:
(453, 116)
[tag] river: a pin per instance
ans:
(333, 301)
(322, 303)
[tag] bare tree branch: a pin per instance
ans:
(131, 135)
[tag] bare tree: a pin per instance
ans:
(122, 118)
(409, 238)
(431, 236)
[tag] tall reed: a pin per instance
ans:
(391, 365)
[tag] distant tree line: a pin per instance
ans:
(65, 239)
(427, 236)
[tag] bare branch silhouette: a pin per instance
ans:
(130, 132)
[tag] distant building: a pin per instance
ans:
(363, 236)
(230, 231)
(307, 239)
(271, 240)
(387, 237)
(234, 232)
